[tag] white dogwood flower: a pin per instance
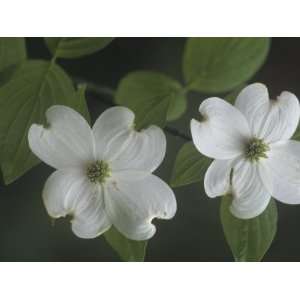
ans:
(104, 174)
(250, 142)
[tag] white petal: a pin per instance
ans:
(70, 193)
(67, 142)
(272, 120)
(281, 172)
(128, 175)
(223, 132)
(253, 102)
(250, 197)
(282, 119)
(217, 178)
(145, 151)
(112, 131)
(131, 206)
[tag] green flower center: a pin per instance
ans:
(98, 171)
(256, 149)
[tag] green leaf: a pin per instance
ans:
(82, 104)
(35, 86)
(154, 98)
(12, 51)
(249, 239)
(296, 135)
(190, 166)
(215, 65)
(65, 47)
(128, 250)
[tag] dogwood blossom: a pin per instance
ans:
(104, 174)
(254, 157)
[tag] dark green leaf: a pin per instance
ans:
(34, 87)
(12, 53)
(127, 250)
(154, 98)
(249, 239)
(65, 47)
(190, 166)
(215, 65)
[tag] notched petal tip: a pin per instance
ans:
(286, 96)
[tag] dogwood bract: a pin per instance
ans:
(103, 175)
(250, 142)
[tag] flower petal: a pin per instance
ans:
(67, 142)
(250, 197)
(217, 178)
(145, 151)
(70, 193)
(282, 119)
(281, 171)
(128, 175)
(272, 120)
(112, 131)
(223, 132)
(253, 102)
(131, 206)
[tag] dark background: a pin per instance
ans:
(195, 233)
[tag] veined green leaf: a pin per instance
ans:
(65, 47)
(154, 98)
(190, 166)
(249, 239)
(216, 65)
(128, 250)
(35, 86)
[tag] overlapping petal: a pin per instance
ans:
(253, 102)
(70, 193)
(145, 151)
(131, 206)
(272, 120)
(217, 178)
(67, 141)
(112, 131)
(281, 171)
(250, 196)
(223, 132)
(282, 119)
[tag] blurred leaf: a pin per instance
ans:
(249, 239)
(190, 166)
(35, 86)
(215, 65)
(65, 47)
(154, 98)
(12, 52)
(82, 103)
(128, 250)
